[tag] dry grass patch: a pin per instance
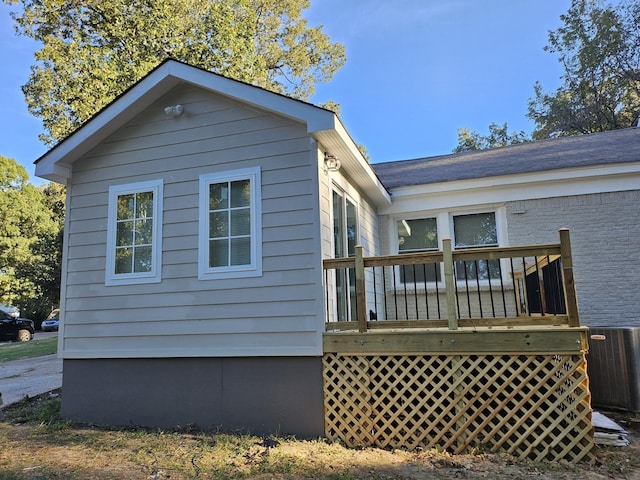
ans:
(35, 444)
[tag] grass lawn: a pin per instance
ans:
(36, 445)
(34, 348)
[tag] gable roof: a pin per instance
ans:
(322, 125)
(615, 146)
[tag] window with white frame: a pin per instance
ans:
(474, 230)
(230, 225)
(134, 239)
(477, 230)
(417, 236)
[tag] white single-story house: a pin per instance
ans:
(200, 210)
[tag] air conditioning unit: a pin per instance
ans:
(613, 365)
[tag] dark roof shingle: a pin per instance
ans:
(615, 146)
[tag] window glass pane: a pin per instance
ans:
(124, 258)
(337, 225)
(125, 206)
(142, 259)
(241, 222)
(240, 251)
(418, 274)
(479, 269)
(218, 196)
(219, 253)
(124, 234)
(219, 224)
(144, 205)
(352, 228)
(475, 230)
(417, 235)
(144, 232)
(240, 193)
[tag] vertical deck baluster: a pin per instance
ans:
(361, 294)
(466, 285)
(524, 286)
(426, 292)
(540, 287)
(415, 290)
(557, 307)
(475, 264)
(504, 300)
(395, 292)
(493, 308)
(326, 293)
(436, 266)
(375, 292)
(447, 254)
(384, 292)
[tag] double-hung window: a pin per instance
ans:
(230, 231)
(417, 236)
(134, 233)
(477, 230)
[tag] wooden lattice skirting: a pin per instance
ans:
(532, 406)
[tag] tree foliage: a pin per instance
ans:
(599, 49)
(498, 136)
(31, 224)
(94, 49)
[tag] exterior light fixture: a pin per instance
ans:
(331, 163)
(174, 111)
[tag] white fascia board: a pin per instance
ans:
(495, 190)
(338, 142)
(105, 123)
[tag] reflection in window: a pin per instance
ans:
(416, 236)
(230, 243)
(230, 223)
(477, 230)
(134, 233)
(134, 244)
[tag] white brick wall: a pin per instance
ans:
(605, 238)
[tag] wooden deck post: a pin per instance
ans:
(447, 253)
(361, 294)
(567, 278)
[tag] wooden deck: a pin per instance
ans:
(510, 383)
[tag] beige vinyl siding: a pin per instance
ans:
(275, 314)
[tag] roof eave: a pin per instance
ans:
(338, 142)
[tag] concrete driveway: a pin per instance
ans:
(31, 376)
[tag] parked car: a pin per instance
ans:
(12, 327)
(52, 322)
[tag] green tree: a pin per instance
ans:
(498, 136)
(31, 222)
(94, 49)
(598, 46)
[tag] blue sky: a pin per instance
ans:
(416, 71)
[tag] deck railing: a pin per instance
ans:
(525, 285)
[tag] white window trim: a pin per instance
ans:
(238, 271)
(155, 275)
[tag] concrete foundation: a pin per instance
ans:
(262, 395)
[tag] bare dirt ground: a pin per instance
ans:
(34, 444)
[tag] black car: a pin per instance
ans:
(12, 327)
